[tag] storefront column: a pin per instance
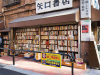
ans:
(95, 32)
(79, 43)
(11, 38)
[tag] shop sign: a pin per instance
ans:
(51, 5)
(95, 4)
(51, 59)
(85, 8)
(85, 30)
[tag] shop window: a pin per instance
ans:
(8, 3)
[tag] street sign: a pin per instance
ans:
(51, 59)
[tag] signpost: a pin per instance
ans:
(51, 59)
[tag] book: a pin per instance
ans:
(52, 37)
(44, 37)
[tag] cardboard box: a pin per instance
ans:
(5, 53)
(67, 63)
(79, 60)
(80, 66)
(38, 56)
(28, 54)
(2, 53)
(20, 55)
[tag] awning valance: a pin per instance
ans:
(5, 30)
(2, 25)
(71, 15)
(95, 14)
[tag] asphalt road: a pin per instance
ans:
(9, 72)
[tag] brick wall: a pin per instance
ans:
(85, 48)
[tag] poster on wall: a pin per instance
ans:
(51, 59)
(85, 8)
(85, 30)
(51, 5)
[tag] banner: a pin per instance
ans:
(85, 8)
(51, 59)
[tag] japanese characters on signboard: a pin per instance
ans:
(85, 30)
(85, 8)
(50, 5)
(50, 59)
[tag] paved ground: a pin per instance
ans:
(9, 72)
(12, 70)
(92, 72)
(36, 67)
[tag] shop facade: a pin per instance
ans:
(48, 34)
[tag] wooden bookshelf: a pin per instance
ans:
(6, 43)
(66, 37)
(27, 38)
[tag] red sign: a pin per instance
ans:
(85, 28)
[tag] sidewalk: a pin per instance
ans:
(37, 67)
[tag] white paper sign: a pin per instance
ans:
(85, 30)
(51, 5)
(85, 8)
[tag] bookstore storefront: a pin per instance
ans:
(4, 35)
(52, 32)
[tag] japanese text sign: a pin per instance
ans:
(51, 59)
(50, 5)
(85, 8)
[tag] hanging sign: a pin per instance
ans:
(50, 5)
(85, 30)
(51, 59)
(85, 8)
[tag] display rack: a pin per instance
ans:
(62, 38)
(5, 43)
(27, 38)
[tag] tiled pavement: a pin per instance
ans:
(37, 67)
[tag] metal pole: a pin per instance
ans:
(13, 58)
(72, 69)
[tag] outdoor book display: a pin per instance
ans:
(55, 39)
(6, 43)
(61, 38)
(27, 39)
